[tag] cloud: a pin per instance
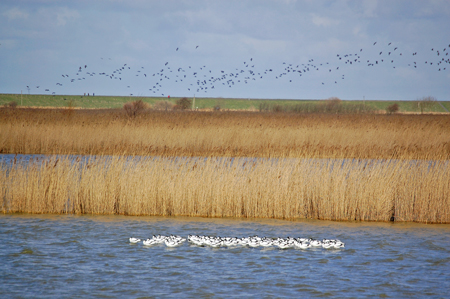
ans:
(15, 13)
(370, 8)
(265, 46)
(64, 15)
(323, 21)
(359, 32)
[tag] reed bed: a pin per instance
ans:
(226, 134)
(338, 189)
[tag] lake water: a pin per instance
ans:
(68, 256)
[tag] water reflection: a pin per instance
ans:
(9, 159)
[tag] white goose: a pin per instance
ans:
(172, 242)
(266, 242)
(328, 245)
(149, 242)
(302, 245)
(134, 240)
(338, 244)
(253, 243)
(284, 245)
(315, 243)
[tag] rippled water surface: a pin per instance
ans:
(90, 256)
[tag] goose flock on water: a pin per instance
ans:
(254, 241)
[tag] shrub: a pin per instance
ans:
(333, 105)
(264, 106)
(277, 108)
(163, 105)
(392, 108)
(219, 104)
(71, 104)
(133, 108)
(12, 104)
(184, 103)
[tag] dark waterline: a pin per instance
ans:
(9, 159)
(55, 256)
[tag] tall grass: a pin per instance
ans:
(332, 105)
(389, 190)
(237, 134)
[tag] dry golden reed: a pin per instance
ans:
(226, 134)
(378, 190)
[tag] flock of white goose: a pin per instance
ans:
(254, 241)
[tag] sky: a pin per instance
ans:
(259, 49)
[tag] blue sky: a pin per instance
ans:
(279, 49)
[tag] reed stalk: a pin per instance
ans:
(331, 189)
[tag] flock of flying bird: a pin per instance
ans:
(254, 241)
(197, 79)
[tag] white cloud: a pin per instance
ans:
(64, 15)
(323, 21)
(370, 8)
(265, 46)
(359, 32)
(15, 13)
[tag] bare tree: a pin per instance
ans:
(426, 103)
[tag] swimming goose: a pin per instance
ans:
(253, 243)
(215, 243)
(338, 244)
(284, 245)
(159, 239)
(266, 242)
(230, 242)
(302, 245)
(172, 242)
(149, 242)
(328, 245)
(315, 243)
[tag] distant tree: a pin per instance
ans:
(184, 103)
(426, 103)
(392, 108)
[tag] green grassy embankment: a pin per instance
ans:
(96, 102)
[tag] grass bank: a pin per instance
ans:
(282, 189)
(111, 102)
